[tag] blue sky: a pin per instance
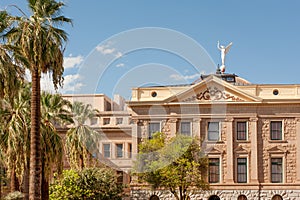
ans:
(116, 45)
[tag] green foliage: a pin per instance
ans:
(177, 164)
(89, 183)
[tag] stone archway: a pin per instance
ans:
(214, 197)
(154, 197)
(277, 197)
(242, 197)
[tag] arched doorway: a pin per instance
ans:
(214, 197)
(277, 197)
(154, 197)
(242, 197)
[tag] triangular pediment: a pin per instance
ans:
(277, 150)
(213, 89)
(241, 150)
(213, 150)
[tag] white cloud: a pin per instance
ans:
(106, 49)
(72, 83)
(179, 77)
(120, 65)
(72, 61)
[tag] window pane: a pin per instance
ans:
(214, 170)
(119, 150)
(153, 128)
(276, 170)
(213, 131)
(276, 130)
(241, 130)
(185, 128)
(242, 170)
(106, 149)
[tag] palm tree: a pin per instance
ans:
(81, 140)
(55, 112)
(14, 141)
(41, 42)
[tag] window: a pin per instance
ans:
(106, 121)
(276, 130)
(213, 132)
(276, 170)
(242, 170)
(129, 150)
(119, 150)
(242, 197)
(214, 170)
(94, 121)
(185, 128)
(106, 150)
(153, 128)
(277, 197)
(154, 197)
(119, 121)
(241, 130)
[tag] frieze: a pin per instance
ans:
(213, 94)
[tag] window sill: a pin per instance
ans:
(278, 141)
(242, 141)
(214, 142)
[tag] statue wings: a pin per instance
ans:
(228, 47)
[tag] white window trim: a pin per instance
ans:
(220, 168)
(282, 130)
(220, 127)
(283, 157)
(236, 168)
(247, 130)
(191, 126)
(148, 127)
(116, 150)
(110, 149)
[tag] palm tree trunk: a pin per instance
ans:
(35, 146)
(45, 184)
(26, 180)
(14, 182)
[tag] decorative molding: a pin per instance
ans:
(213, 94)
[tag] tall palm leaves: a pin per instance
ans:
(54, 112)
(81, 140)
(41, 42)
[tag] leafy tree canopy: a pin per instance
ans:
(177, 164)
(89, 183)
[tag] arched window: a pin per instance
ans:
(242, 197)
(277, 197)
(214, 197)
(154, 197)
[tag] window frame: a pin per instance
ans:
(217, 166)
(119, 120)
(218, 131)
(238, 131)
(117, 152)
(190, 128)
(150, 134)
(276, 131)
(239, 173)
(103, 145)
(273, 173)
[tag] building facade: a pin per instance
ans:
(250, 133)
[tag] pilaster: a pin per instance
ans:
(229, 153)
(298, 150)
(254, 151)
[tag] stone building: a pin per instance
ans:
(250, 133)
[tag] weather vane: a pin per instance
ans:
(224, 50)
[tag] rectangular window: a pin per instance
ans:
(276, 130)
(129, 150)
(276, 170)
(119, 151)
(94, 121)
(153, 128)
(119, 121)
(213, 132)
(106, 150)
(214, 170)
(242, 170)
(106, 121)
(185, 128)
(241, 130)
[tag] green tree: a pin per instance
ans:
(177, 164)
(89, 183)
(41, 42)
(14, 137)
(55, 112)
(81, 140)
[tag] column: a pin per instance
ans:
(254, 151)
(196, 128)
(298, 150)
(173, 127)
(134, 138)
(230, 157)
